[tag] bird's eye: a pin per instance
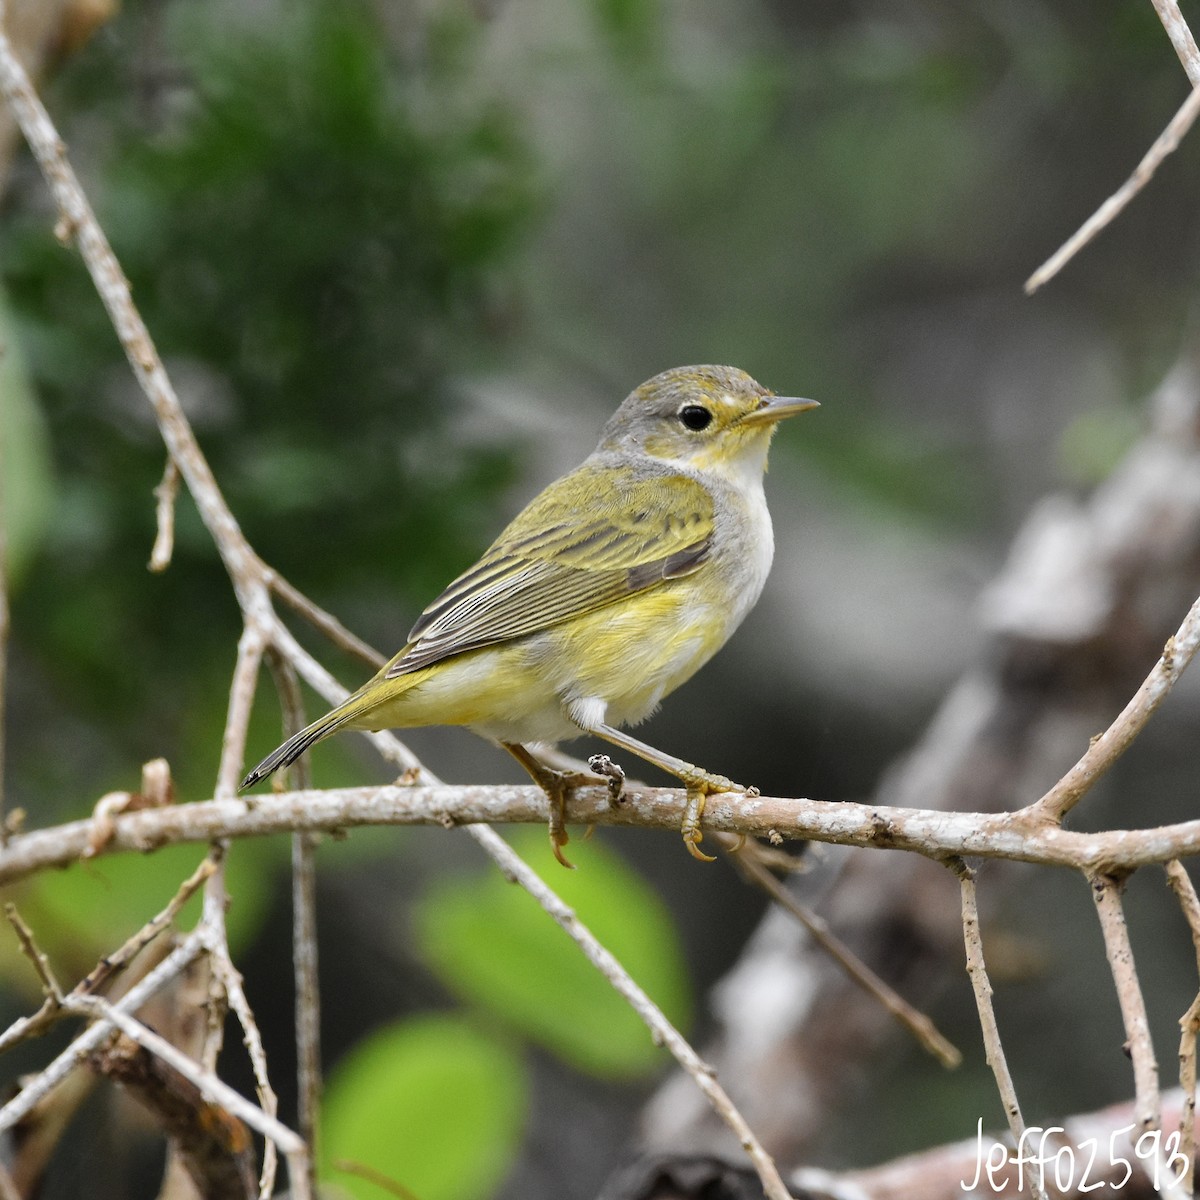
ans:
(695, 417)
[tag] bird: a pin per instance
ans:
(612, 587)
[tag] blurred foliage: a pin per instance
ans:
(315, 238)
(495, 947)
(434, 1104)
(26, 487)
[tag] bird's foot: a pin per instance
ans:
(558, 785)
(700, 785)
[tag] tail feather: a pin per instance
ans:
(285, 755)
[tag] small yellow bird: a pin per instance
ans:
(613, 587)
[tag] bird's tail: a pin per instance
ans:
(285, 755)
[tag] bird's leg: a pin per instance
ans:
(556, 785)
(700, 784)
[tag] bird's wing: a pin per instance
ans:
(578, 547)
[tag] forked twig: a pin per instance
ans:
(1106, 892)
(46, 1079)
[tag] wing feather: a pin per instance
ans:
(563, 557)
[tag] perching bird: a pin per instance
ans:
(615, 585)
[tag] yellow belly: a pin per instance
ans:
(628, 655)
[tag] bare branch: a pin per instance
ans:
(982, 987)
(328, 624)
(210, 1087)
(915, 1021)
(216, 1148)
(1119, 736)
(1181, 38)
(31, 950)
(230, 980)
(304, 923)
(1189, 1024)
(946, 1172)
(663, 1032)
(930, 832)
(1166, 142)
(1106, 892)
(24, 1101)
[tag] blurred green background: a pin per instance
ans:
(402, 260)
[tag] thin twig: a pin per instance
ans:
(328, 624)
(35, 954)
(982, 987)
(915, 1021)
(210, 1086)
(1119, 736)
(110, 964)
(251, 647)
(46, 1079)
(1181, 38)
(1166, 142)
(231, 981)
(1180, 883)
(1106, 892)
(660, 1028)
(164, 539)
(304, 923)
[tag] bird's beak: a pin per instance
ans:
(775, 408)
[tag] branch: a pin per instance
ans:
(916, 1022)
(1106, 892)
(1181, 38)
(982, 987)
(1104, 750)
(46, 1079)
(664, 1033)
(1189, 1024)
(1098, 1151)
(928, 832)
(1164, 144)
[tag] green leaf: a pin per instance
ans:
(26, 482)
(494, 946)
(433, 1103)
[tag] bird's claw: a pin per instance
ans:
(699, 788)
